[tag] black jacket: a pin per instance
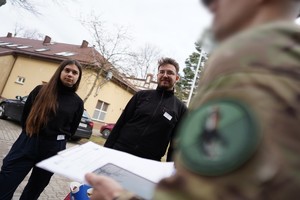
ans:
(147, 125)
(68, 114)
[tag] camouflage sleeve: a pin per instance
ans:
(243, 141)
(243, 124)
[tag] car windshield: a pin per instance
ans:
(24, 98)
(85, 114)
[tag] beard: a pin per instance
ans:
(166, 84)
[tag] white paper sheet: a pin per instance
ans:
(76, 161)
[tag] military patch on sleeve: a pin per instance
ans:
(218, 137)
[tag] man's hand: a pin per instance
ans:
(104, 188)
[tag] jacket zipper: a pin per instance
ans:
(153, 114)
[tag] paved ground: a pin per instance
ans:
(58, 187)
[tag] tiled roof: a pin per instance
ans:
(82, 53)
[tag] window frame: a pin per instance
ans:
(20, 80)
(101, 111)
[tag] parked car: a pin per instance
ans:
(13, 108)
(106, 129)
(85, 128)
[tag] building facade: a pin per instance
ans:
(25, 63)
(143, 84)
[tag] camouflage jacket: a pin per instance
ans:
(260, 70)
(252, 81)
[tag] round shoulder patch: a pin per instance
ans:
(218, 137)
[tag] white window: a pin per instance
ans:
(42, 49)
(100, 111)
(23, 47)
(20, 80)
(65, 53)
(4, 43)
(12, 45)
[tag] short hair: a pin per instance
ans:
(171, 61)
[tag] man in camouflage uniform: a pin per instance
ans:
(241, 139)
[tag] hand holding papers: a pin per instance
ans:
(133, 173)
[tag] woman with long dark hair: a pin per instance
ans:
(51, 114)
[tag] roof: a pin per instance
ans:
(143, 83)
(46, 48)
(54, 51)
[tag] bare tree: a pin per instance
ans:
(28, 5)
(112, 50)
(2, 2)
(144, 61)
(21, 31)
(33, 34)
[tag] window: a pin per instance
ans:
(4, 43)
(42, 49)
(100, 111)
(20, 80)
(12, 45)
(23, 47)
(65, 53)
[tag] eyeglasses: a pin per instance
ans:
(206, 2)
(168, 72)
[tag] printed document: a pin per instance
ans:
(135, 174)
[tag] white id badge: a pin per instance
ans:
(60, 137)
(168, 116)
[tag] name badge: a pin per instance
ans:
(168, 116)
(60, 137)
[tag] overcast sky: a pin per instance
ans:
(171, 25)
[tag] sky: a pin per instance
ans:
(172, 26)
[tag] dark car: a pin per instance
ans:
(85, 128)
(106, 129)
(13, 108)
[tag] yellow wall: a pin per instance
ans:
(109, 92)
(34, 71)
(6, 64)
(37, 71)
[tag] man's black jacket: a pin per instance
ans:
(147, 125)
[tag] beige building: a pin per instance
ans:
(25, 63)
(143, 84)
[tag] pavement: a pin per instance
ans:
(58, 187)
